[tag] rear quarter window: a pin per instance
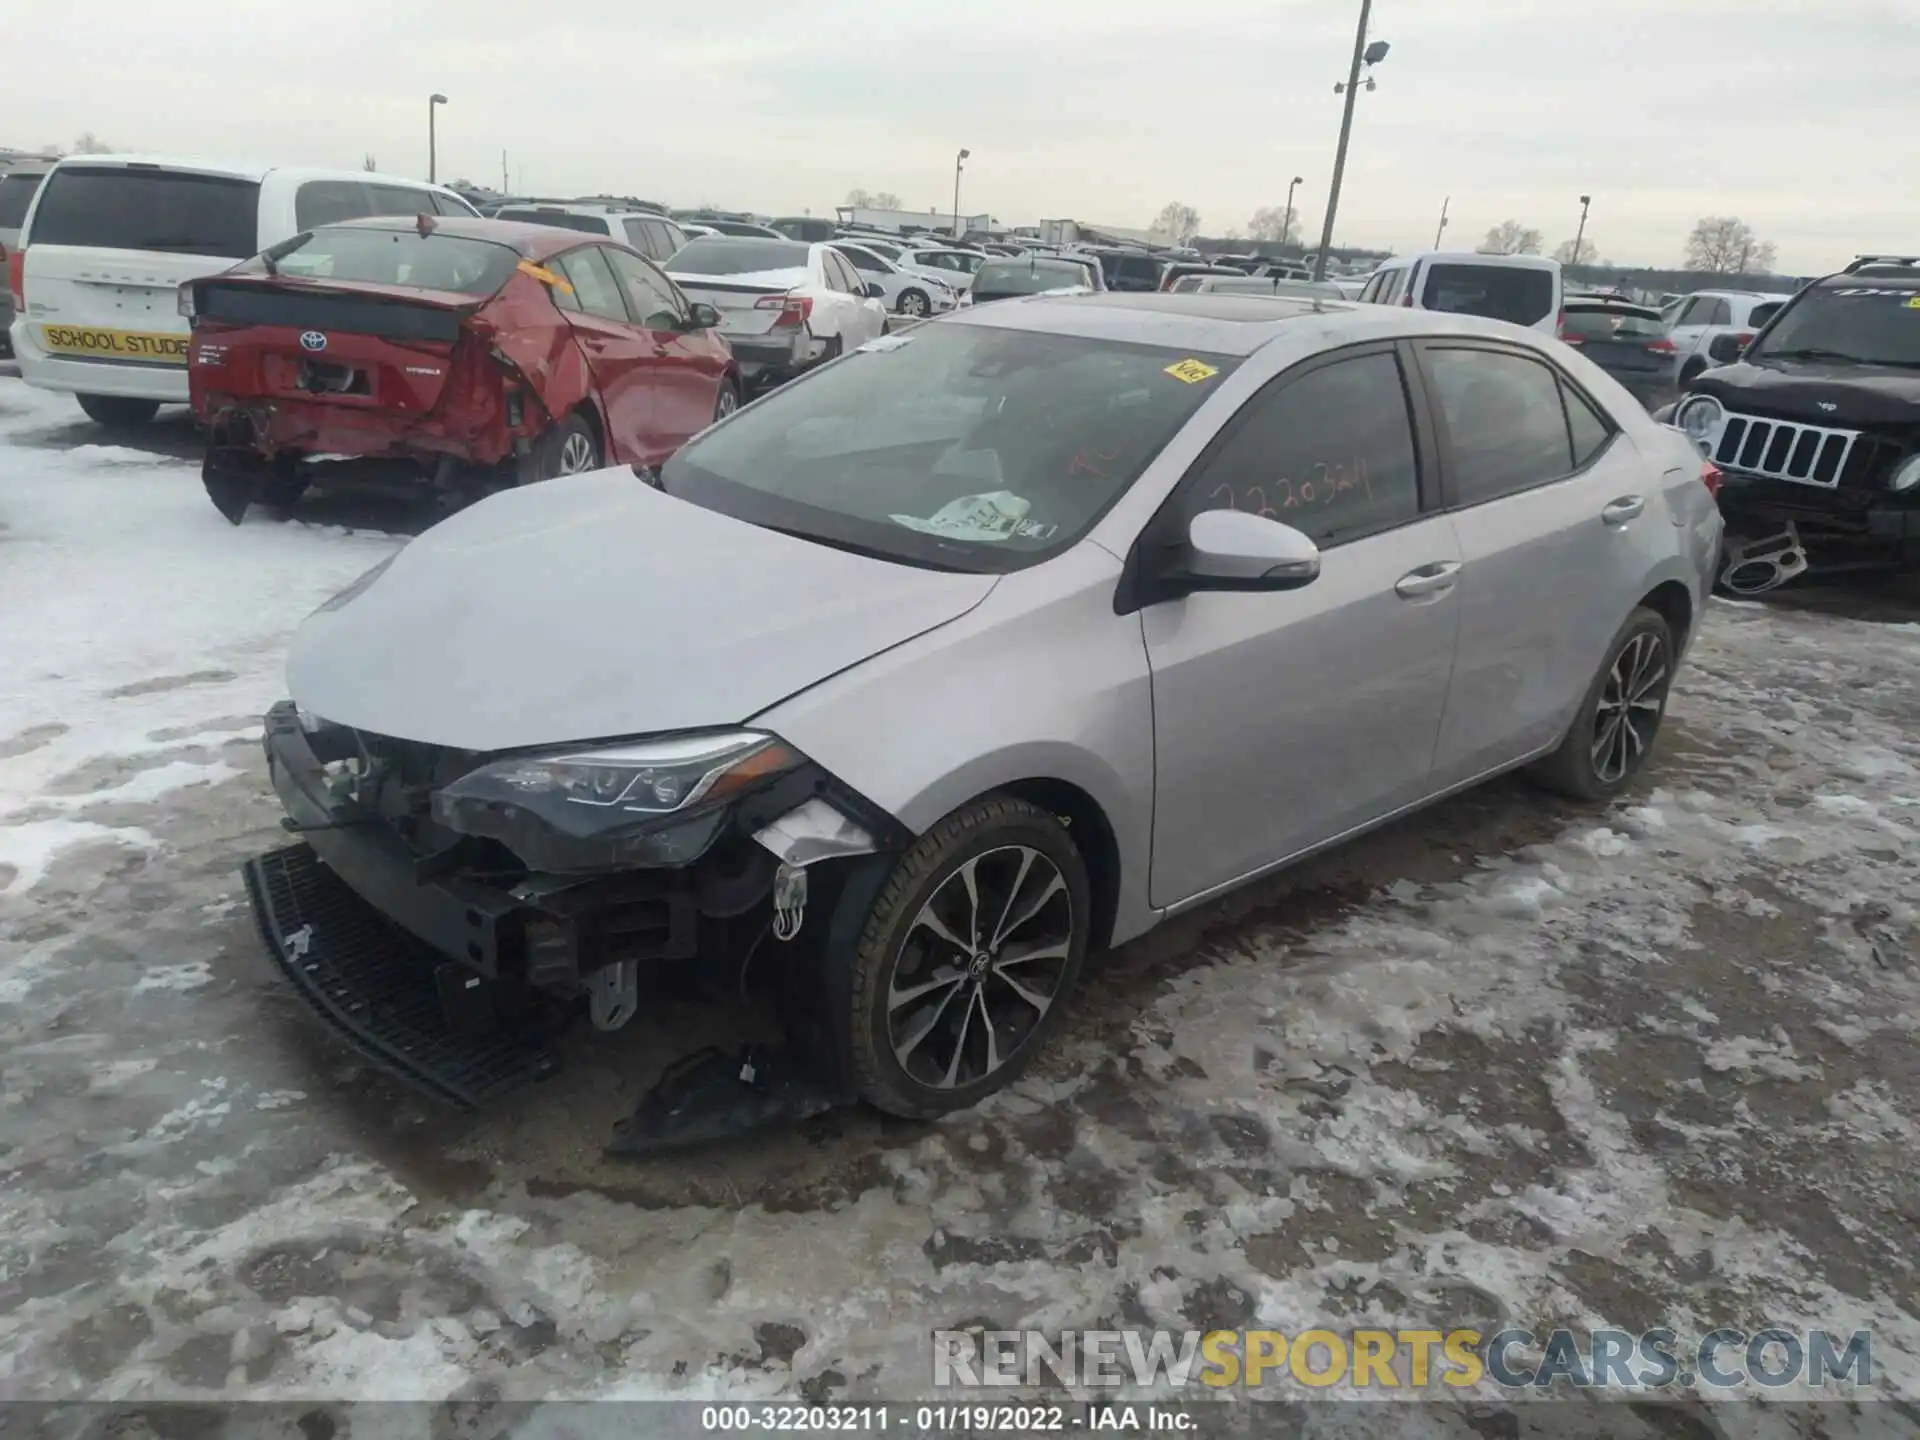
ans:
(16, 194)
(128, 208)
(1518, 294)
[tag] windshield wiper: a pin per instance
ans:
(1811, 352)
(869, 552)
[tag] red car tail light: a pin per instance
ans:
(1711, 477)
(794, 310)
(17, 279)
(1662, 346)
(1566, 336)
(1745, 338)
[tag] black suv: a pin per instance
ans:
(1816, 429)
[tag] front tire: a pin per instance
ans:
(727, 401)
(1619, 720)
(966, 961)
(118, 412)
(914, 304)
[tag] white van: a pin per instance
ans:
(110, 238)
(1522, 289)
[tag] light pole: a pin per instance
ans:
(1439, 229)
(1286, 230)
(1363, 54)
(958, 161)
(434, 102)
(1581, 233)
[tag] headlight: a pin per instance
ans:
(1698, 416)
(654, 801)
(1907, 476)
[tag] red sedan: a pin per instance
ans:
(455, 353)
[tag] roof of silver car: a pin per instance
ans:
(1223, 324)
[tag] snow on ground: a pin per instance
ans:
(139, 625)
(1506, 1061)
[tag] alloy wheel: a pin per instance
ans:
(980, 967)
(913, 304)
(728, 403)
(576, 454)
(1629, 711)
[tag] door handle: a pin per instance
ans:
(1434, 579)
(1627, 507)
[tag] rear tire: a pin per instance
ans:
(571, 447)
(1619, 720)
(118, 412)
(727, 401)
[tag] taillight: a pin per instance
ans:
(1744, 338)
(794, 309)
(1711, 477)
(1566, 336)
(17, 279)
(1662, 346)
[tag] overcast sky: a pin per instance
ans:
(1801, 117)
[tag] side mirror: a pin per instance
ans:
(875, 292)
(702, 316)
(1238, 550)
(1725, 349)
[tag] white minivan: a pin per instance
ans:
(109, 239)
(1521, 289)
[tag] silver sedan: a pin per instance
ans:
(990, 644)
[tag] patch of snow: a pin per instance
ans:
(28, 847)
(174, 977)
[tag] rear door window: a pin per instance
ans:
(112, 207)
(1518, 294)
(1503, 420)
(1758, 316)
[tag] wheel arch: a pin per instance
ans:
(1092, 835)
(1673, 602)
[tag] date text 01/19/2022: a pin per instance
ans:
(955, 1419)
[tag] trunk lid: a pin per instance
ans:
(118, 305)
(737, 297)
(595, 607)
(365, 345)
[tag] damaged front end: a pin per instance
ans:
(446, 912)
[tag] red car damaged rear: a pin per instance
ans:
(457, 354)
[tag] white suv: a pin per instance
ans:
(654, 235)
(109, 240)
(1704, 316)
(1520, 289)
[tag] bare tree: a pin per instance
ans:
(1589, 253)
(1725, 245)
(1510, 237)
(91, 144)
(369, 163)
(1270, 222)
(886, 200)
(858, 199)
(1179, 220)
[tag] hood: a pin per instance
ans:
(596, 607)
(1859, 395)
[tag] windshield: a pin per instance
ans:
(963, 447)
(1871, 324)
(1604, 323)
(391, 257)
(1021, 277)
(115, 207)
(725, 255)
(16, 193)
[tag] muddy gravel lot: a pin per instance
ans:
(1508, 1061)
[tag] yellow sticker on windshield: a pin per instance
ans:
(1914, 303)
(1192, 371)
(544, 275)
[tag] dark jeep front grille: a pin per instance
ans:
(1784, 450)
